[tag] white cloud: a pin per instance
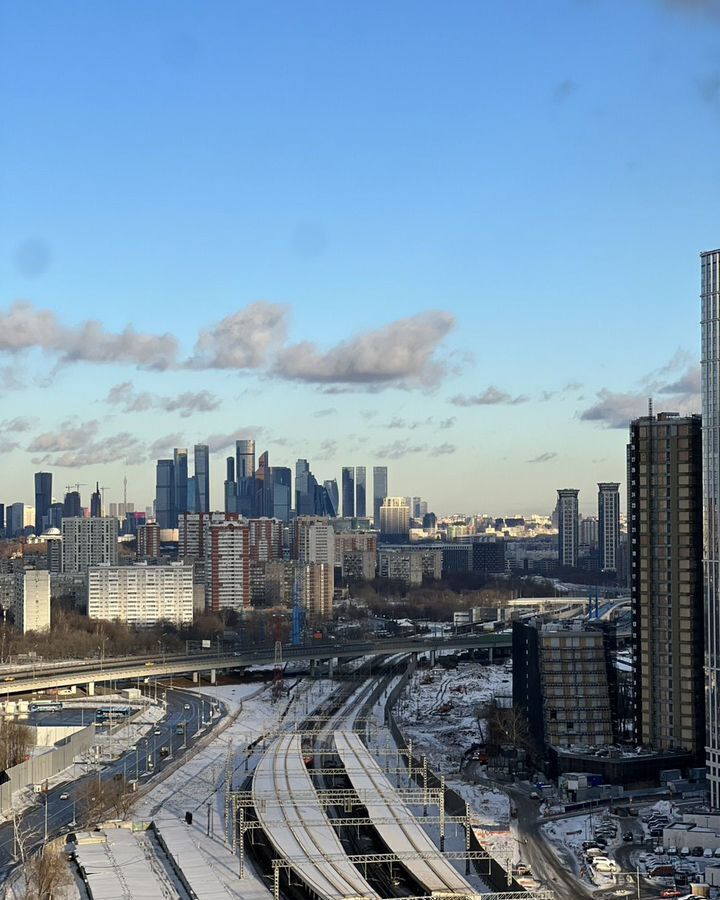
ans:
(401, 353)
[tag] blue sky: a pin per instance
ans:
(524, 188)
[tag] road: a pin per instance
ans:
(143, 762)
(553, 866)
(43, 676)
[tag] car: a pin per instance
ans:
(157, 731)
(150, 663)
(522, 869)
(685, 851)
(708, 853)
(534, 795)
(187, 706)
(671, 851)
(628, 836)
(659, 850)
(601, 842)
(589, 845)
(64, 796)
(9, 678)
(671, 892)
(697, 851)
(717, 853)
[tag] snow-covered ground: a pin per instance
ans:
(440, 711)
(198, 785)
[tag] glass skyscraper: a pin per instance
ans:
(348, 491)
(380, 491)
(202, 478)
(43, 499)
(360, 492)
(710, 300)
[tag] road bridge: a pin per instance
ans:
(43, 676)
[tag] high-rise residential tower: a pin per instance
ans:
(43, 499)
(348, 491)
(666, 589)
(710, 317)
(395, 519)
(608, 524)
(380, 491)
(568, 526)
(360, 492)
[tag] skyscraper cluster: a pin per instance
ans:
(176, 491)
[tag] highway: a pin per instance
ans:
(145, 760)
(43, 676)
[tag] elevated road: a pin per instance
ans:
(63, 674)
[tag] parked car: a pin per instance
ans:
(534, 795)
(671, 892)
(64, 796)
(685, 851)
(697, 851)
(588, 845)
(717, 853)
(628, 836)
(671, 851)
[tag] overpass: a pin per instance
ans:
(63, 674)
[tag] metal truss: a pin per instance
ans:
(341, 797)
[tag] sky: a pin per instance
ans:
(458, 239)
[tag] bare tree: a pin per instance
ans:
(46, 873)
(16, 741)
(507, 725)
(98, 800)
(23, 837)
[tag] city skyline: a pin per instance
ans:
(413, 332)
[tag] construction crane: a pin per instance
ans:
(77, 486)
(102, 488)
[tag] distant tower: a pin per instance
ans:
(380, 491)
(180, 459)
(608, 524)
(568, 527)
(348, 491)
(202, 478)
(360, 492)
(230, 486)
(245, 475)
(43, 499)
(96, 502)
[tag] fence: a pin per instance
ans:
(38, 768)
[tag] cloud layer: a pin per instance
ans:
(401, 354)
(491, 396)
(128, 400)
(616, 409)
